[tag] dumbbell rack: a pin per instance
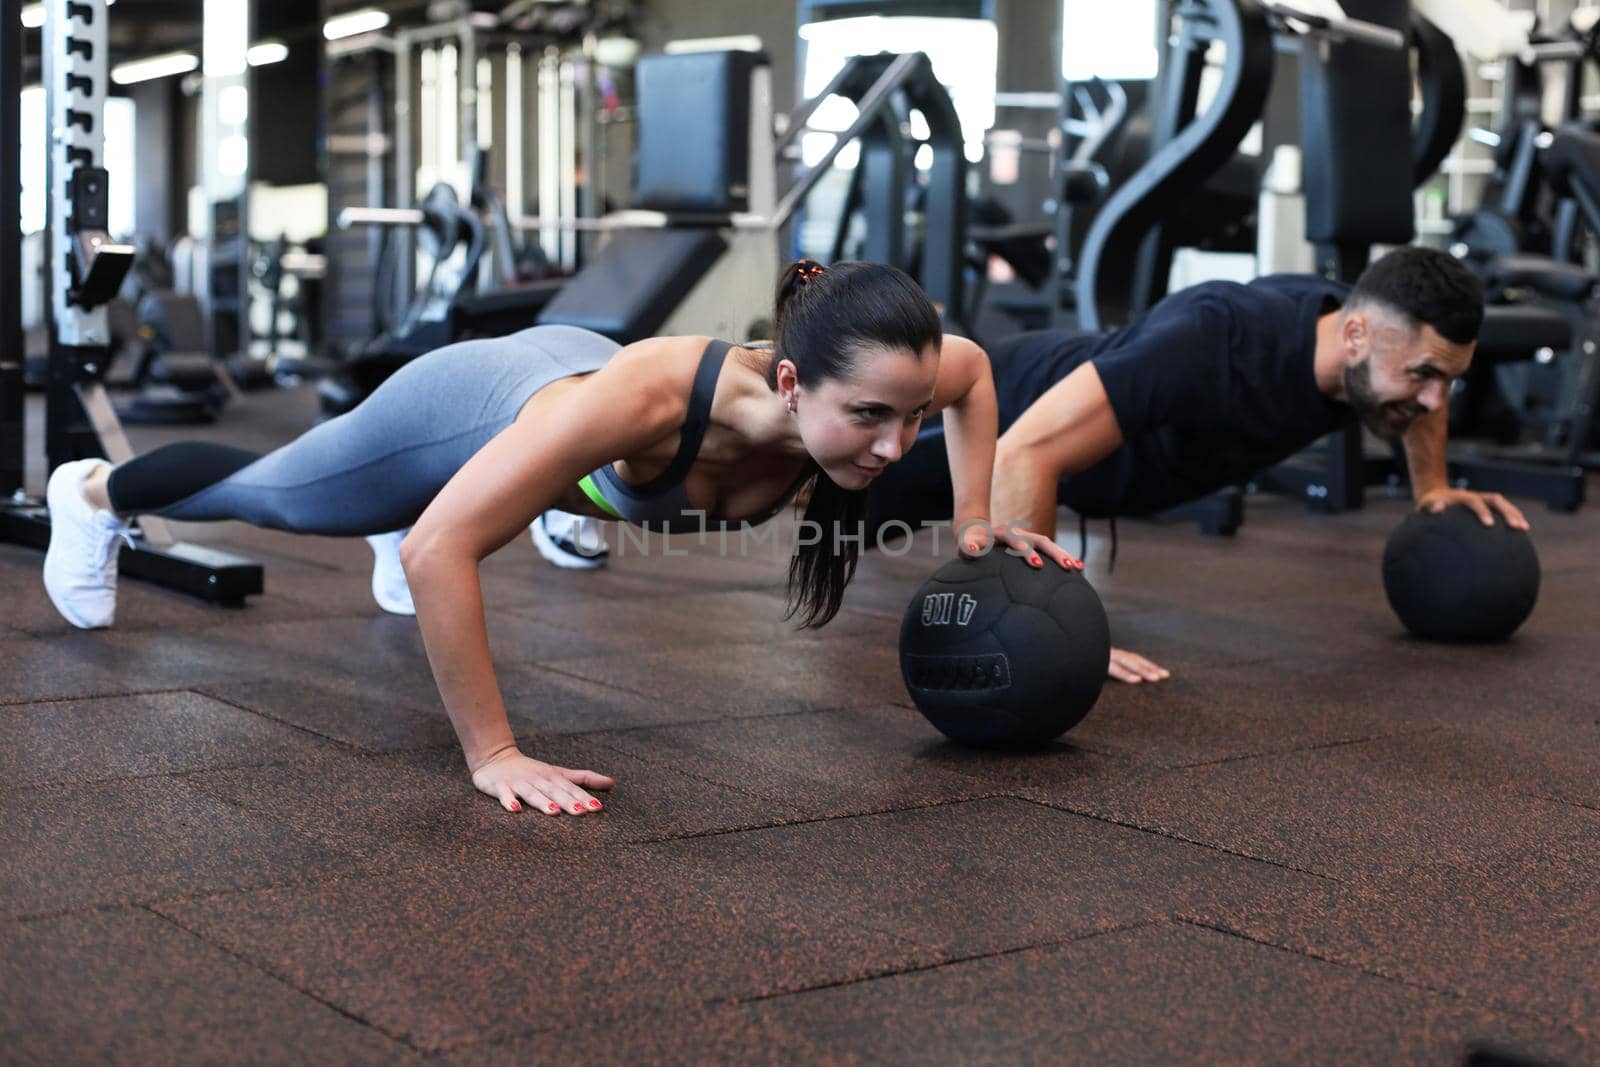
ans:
(86, 267)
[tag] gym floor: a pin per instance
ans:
(249, 835)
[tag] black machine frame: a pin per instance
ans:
(884, 88)
(85, 267)
(13, 404)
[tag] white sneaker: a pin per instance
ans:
(80, 567)
(575, 542)
(389, 586)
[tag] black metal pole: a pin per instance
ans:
(12, 402)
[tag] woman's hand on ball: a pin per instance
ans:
(1034, 548)
(1484, 505)
(514, 780)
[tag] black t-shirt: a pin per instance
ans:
(1213, 384)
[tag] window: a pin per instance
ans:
(964, 53)
(118, 160)
(1113, 41)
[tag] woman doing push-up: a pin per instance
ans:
(465, 447)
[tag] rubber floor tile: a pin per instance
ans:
(513, 582)
(1417, 684)
(884, 598)
(715, 620)
(1260, 584)
(1187, 638)
(171, 659)
(73, 847)
(391, 647)
(753, 680)
(1404, 678)
(982, 876)
(129, 987)
(1210, 714)
(505, 949)
(826, 763)
(421, 807)
(1240, 567)
(546, 700)
(1520, 934)
(376, 659)
(395, 714)
(1160, 994)
(1343, 811)
(374, 715)
(80, 741)
(1555, 759)
(33, 668)
(1566, 605)
(1061, 768)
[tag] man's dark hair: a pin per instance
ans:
(1428, 287)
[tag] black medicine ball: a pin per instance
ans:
(997, 653)
(1451, 578)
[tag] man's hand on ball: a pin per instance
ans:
(1483, 505)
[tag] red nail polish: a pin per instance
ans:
(515, 806)
(554, 808)
(595, 804)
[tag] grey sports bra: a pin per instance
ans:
(661, 504)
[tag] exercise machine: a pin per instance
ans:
(85, 269)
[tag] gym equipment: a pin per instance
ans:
(451, 240)
(918, 224)
(14, 269)
(1126, 256)
(1451, 578)
(410, 107)
(706, 264)
(1101, 126)
(173, 332)
(697, 252)
(998, 654)
(1521, 211)
(86, 269)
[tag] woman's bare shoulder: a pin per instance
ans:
(667, 364)
(662, 358)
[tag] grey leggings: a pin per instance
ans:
(372, 469)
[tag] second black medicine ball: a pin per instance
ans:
(997, 653)
(1451, 578)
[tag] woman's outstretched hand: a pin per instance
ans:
(514, 780)
(1034, 548)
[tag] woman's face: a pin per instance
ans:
(855, 427)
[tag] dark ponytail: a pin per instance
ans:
(825, 317)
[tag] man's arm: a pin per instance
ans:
(1425, 445)
(965, 391)
(1425, 453)
(1068, 429)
